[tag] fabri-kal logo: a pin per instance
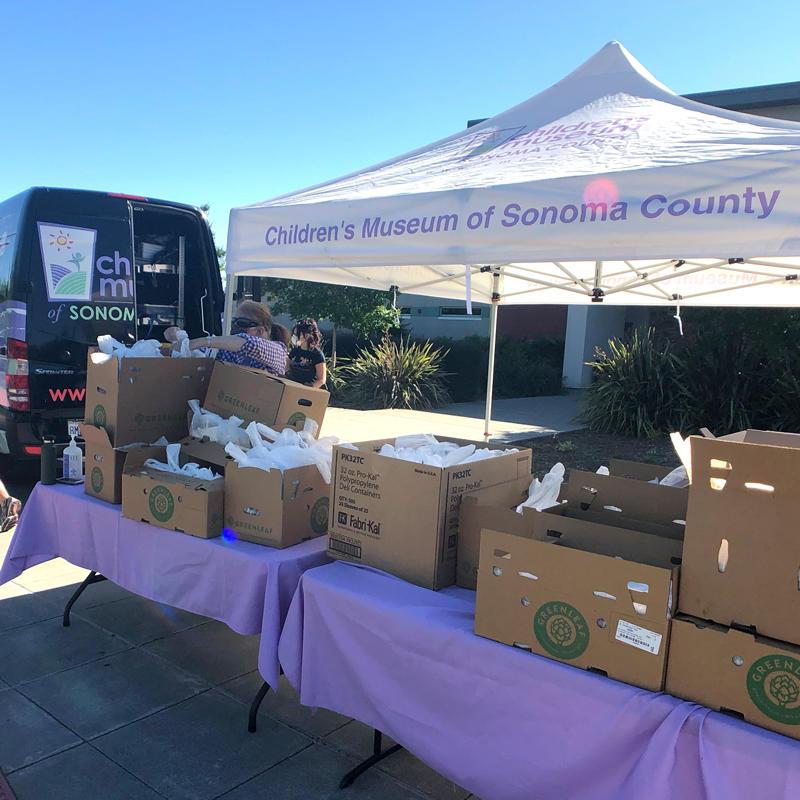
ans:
(367, 525)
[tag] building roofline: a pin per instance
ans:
(774, 94)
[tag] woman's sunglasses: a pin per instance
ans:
(243, 322)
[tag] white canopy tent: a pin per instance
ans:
(607, 187)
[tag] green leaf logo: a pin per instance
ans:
(319, 515)
(97, 480)
(99, 416)
(162, 505)
(773, 683)
(139, 418)
(298, 416)
(561, 630)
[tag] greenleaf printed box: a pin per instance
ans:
(168, 500)
(255, 395)
(273, 508)
(596, 597)
(143, 399)
(742, 674)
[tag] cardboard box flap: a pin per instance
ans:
(135, 461)
(591, 537)
(760, 471)
(192, 485)
(634, 498)
(752, 436)
(204, 452)
(636, 470)
(94, 435)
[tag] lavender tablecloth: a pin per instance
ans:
(506, 724)
(246, 586)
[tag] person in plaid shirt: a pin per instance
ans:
(255, 341)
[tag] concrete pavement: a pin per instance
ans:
(512, 420)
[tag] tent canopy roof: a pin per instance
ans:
(606, 186)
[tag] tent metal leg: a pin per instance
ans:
(230, 290)
(376, 756)
(492, 347)
(252, 724)
(92, 577)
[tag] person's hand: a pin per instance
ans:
(171, 334)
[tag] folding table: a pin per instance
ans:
(247, 586)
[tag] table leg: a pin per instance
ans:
(376, 756)
(252, 725)
(92, 577)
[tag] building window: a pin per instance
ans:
(405, 312)
(458, 312)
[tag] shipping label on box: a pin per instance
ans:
(255, 395)
(493, 507)
(274, 509)
(142, 399)
(742, 551)
(170, 500)
(402, 517)
(606, 612)
(751, 677)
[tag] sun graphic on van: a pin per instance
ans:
(68, 261)
(60, 240)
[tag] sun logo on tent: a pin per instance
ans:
(60, 240)
(601, 190)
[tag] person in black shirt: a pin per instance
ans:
(306, 360)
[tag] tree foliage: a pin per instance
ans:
(364, 311)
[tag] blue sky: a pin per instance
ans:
(232, 103)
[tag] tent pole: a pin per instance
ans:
(492, 344)
(230, 282)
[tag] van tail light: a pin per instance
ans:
(17, 386)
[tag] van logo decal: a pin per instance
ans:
(773, 683)
(68, 260)
(162, 506)
(561, 630)
(97, 480)
(319, 515)
(99, 417)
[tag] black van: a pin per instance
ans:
(77, 264)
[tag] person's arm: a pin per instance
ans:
(232, 343)
(322, 375)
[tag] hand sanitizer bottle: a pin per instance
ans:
(73, 461)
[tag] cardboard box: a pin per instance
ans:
(172, 501)
(252, 394)
(664, 506)
(103, 465)
(742, 551)
(402, 517)
(598, 598)
(274, 509)
(754, 678)
(143, 399)
(637, 470)
(493, 507)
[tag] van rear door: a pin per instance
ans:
(81, 284)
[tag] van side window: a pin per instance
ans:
(9, 221)
(172, 271)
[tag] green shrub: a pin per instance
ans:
(722, 384)
(634, 392)
(392, 374)
(523, 367)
